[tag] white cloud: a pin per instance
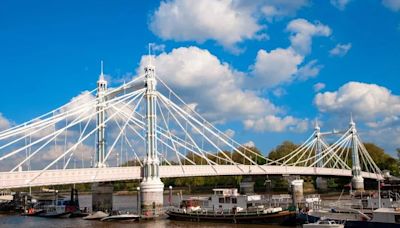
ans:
(309, 70)
(340, 4)
(277, 124)
(201, 20)
(199, 77)
(302, 32)
(230, 133)
(4, 122)
(249, 144)
(275, 67)
(368, 102)
(280, 8)
(214, 88)
(319, 86)
(279, 92)
(340, 50)
(392, 4)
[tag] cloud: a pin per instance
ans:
(319, 86)
(4, 122)
(230, 133)
(309, 70)
(201, 20)
(213, 87)
(275, 67)
(392, 4)
(302, 32)
(368, 102)
(284, 65)
(201, 78)
(249, 144)
(340, 50)
(280, 8)
(340, 4)
(277, 124)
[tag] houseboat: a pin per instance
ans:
(227, 205)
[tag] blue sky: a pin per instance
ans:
(279, 53)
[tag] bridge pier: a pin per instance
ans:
(247, 185)
(321, 183)
(297, 191)
(102, 196)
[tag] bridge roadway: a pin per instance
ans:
(20, 179)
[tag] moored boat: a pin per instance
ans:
(96, 216)
(324, 224)
(227, 205)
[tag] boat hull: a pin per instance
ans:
(283, 217)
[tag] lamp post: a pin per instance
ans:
(138, 200)
(170, 195)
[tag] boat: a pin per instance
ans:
(58, 207)
(96, 216)
(227, 205)
(121, 217)
(324, 224)
(382, 218)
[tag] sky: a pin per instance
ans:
(262, 70)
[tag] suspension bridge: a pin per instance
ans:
(143, 130)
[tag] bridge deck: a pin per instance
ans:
(88, 175)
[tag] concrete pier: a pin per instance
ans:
(247, 185)
(297, 191)
(151, 198)
(321, 184)
(102, 197)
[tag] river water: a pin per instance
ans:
(126, 202)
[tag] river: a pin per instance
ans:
(126, 202)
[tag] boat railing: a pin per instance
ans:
(227, 212)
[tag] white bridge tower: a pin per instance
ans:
(151, 187)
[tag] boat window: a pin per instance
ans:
(397, 218)
(221, 200)
(234, 200)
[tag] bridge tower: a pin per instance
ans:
(320, 181)
(101, 115)
(102, 193)
(151, 187)
(357, 181)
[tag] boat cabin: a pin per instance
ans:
(228, 198)
(386, 215)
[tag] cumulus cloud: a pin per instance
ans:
(309, 70)
(213, 87)
(230, 133)
(277, 124)
(369, 102)
(284, 65)
(201, 20)
(340, 50)
(201, 78)
(302, 32)
(340, 4)
(275, 67)
(319, 86)
(280, 8)
(392, 4)
(4, 122)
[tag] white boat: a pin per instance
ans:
(323, 224)
(96, 216)
(130, 217)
